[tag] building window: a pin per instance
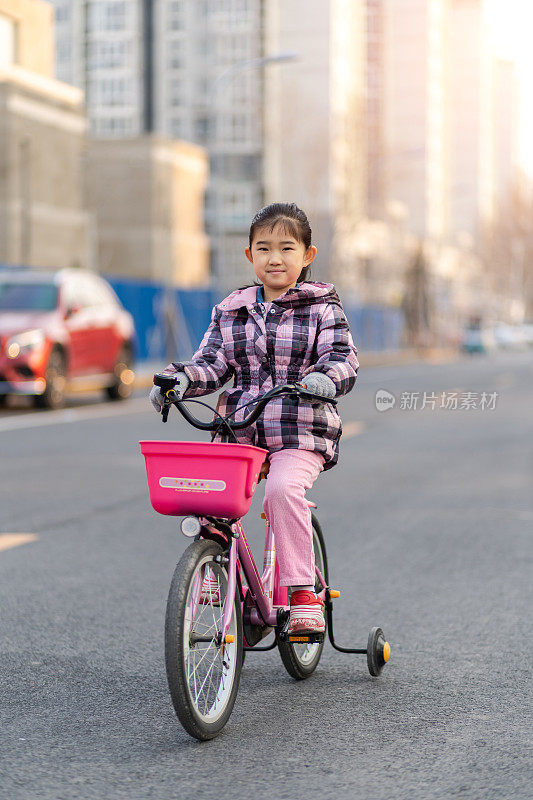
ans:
(8, 41)
(234, 128)
(236, 206)
(112, 126)
(109, 15)
(64, 51)
(202, 89)
(104, 54)
(62, 13)
(232, 47)
(110, 92)
(201, 128)
(234, 11)
(176, 55)
(176, 92)
(176, 15)
(178, 127)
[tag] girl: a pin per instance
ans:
(283, 329)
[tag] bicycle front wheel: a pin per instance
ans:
(203, 675)
(301, 660)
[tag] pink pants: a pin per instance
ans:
(291, 473)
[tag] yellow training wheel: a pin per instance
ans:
(386, 652)
(378, 651)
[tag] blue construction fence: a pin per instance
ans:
(373, 327)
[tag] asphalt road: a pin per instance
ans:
(428, 519)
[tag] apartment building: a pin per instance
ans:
(155, 66)
(470, 98)
(505, 120)
(415, 129)
(315, 124)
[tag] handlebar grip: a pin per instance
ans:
(164, 413)
(165, 382)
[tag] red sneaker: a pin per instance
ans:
(306, 612)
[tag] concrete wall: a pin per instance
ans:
(147, 197)
(43, 221)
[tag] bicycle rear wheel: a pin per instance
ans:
(203, 676)
(301, 660)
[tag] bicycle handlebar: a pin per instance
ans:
(168, 382)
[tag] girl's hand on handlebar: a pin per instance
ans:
(182, 383)
(320, 384)
(179, 385)
(157, 398)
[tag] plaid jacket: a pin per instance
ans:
(305, 330)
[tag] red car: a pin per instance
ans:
(59, 330)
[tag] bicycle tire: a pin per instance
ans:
(300, 660)
(190, 666)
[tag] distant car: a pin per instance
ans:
(58, 329)
(509, 337)
(526, 332)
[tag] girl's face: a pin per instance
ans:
(278, 259)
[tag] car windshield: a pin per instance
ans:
(27, 296)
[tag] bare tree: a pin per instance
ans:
(507, 247)
(416, 304)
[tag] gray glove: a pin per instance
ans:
(319, 383)
(156, 395)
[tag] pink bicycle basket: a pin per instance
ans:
(204, 478)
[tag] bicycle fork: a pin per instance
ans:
(229, 602)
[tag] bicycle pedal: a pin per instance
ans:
(302, 638)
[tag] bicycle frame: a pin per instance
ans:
(266, 592)
(269, 598)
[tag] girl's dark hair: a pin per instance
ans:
(294, 223)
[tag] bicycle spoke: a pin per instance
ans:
(205, 652)
(213, 688)
(213, 609)
(194, 679)
(198, 690)
(208, 673)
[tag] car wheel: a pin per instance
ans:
(55, 375)
(122, 387)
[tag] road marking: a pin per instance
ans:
(42, 418)
(9, 540)
(352, 429)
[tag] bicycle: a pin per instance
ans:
(219, 606)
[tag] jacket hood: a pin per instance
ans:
(309, 293)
